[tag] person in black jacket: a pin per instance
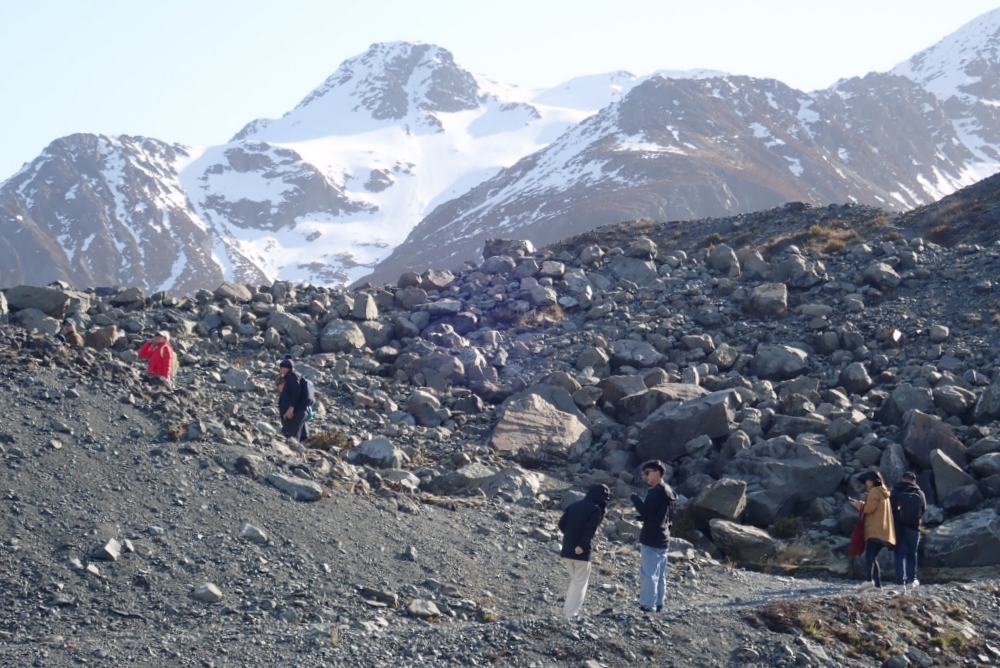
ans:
(656, 513)
(579, 524)
(908, 506)
(290, 404)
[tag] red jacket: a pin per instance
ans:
(161, 358)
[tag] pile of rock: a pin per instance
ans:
(764, 384)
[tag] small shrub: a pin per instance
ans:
(785, 527)
(607, 570)
(328, 440)
(941, 233)
(712, 240)
(176, 432)
(834, 246)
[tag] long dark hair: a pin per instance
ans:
(874, 476)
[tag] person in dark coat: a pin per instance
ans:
(908, 506)
(291, 404)
(656, 513)
(578, 524)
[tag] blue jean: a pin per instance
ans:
(906, 554)
(652, 576)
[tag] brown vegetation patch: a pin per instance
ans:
(875, 626)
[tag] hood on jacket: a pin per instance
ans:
(880, 491)
(599, 494)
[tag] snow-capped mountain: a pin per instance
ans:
(716, 144)
(319, 194)
(403, 159)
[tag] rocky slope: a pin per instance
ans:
(767, 358)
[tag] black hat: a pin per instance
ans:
(287, 363)
(910, 475)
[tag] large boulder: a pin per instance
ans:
(783, 475)
(664, 434)
(364, 307)
(616, 388)
(987, 407)
(778, 362)
(722, 258)
(637, 354)
(768, 300)
(641, 272)
(948, 476)
(986, 465)
(32, 319)
(904, 397)
(341, 336)
(510, 247)
(635, 408)
(292, 327)
(51, 302)
(297, 488)
(723, 499)
(102, 338)
(378, 452)
(533, 430)
(970, 540)
(954, 400)
(234, 292)
(881, 275)
(893, 464)
(425, 408)
(855, 379)
(511, 484)
(922, 434)
(742, 543)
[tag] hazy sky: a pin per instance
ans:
(196, 71)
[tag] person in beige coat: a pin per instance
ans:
(879, 529)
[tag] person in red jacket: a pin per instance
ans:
(160, 355)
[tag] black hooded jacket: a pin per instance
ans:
(656, 513)
(909, 495)
(580, 521)
(290, 394)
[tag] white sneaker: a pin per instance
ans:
(867, 586)
(915, 583)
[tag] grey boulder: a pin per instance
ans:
(665, 433)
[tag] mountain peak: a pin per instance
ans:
(956, 66)
(393, 77)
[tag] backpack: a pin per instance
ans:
(909, 506)
(308, 396)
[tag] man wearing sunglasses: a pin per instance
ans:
(656, 512)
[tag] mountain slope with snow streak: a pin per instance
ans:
(319, 194)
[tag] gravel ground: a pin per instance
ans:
(338, 581)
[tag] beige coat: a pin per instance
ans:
(878, 516)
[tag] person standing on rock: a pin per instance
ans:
(160, 355)
(656, 512)
(879, 530)
(291, 402)
(578, 524)
(908, 506)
